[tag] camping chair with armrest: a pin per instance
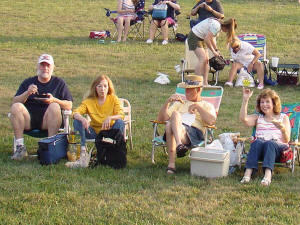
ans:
(125, 104)
(189, 63)
(213, 95)
(137, 25)
(36, 133)
(293, 112)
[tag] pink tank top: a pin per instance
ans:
(267, 130)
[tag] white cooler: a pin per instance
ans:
(209, 162)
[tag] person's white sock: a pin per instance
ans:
(20, 141)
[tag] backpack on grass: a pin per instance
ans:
(111, 148)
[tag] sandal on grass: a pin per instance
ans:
(265, 181)
(171, 170)
(245, 179)
(181, 150)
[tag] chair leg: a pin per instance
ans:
(14, 145)
(152, 154)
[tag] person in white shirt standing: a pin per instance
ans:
(245, 55)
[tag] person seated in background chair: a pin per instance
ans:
(179, 135)
(38, 104)
(104, 109)
(126, 13)
(245, 55)
(272, 133)
(164, 24)
(207, 9)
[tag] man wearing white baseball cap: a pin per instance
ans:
(185, 119)
(38, 104)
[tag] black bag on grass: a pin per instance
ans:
(111, 148)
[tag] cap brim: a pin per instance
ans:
(184, 85)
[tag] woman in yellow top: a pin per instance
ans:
(105, 111)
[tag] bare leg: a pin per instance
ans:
(258, 66)
(153, 28)
(233, 70)
(164, 29)
(248, 173)
(175, 135)
(126, 28)
(120, 28)
(52, 119)
(202, 68)
(268, 173)
(20, 119)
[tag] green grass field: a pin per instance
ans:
(142, 193)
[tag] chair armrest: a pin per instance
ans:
(295, 143)
(157, 121)
(210, 126)
(243, 139)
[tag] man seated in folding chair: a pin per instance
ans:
(164, 24)
(104, 109)
(245, 55)
(38, 104)
(186, 119)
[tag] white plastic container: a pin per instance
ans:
(209, 163)
(275, 61)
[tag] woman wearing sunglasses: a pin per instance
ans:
(245, 55)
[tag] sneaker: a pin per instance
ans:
(260, 87)
(230, 84)
(164, 42)
(20, 153)
(149, 41)
(82, 162)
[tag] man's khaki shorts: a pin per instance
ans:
(195, 42)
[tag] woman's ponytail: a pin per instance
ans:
(229, 27)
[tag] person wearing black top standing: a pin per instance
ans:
(38, 104)
(206, 9)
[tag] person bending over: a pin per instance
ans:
(202, 36)
(181, 133)
(104, 109)
(38, 104)
(272, 133)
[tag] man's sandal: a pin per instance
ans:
(171, 170)
(265, 181)
(245, 179)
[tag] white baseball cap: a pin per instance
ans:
(46, 58)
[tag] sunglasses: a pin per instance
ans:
(236, 47)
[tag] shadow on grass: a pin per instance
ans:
(71, 40)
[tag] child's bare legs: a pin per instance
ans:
(120, 28)
(164, 29)
(126, 28)
(152, 30)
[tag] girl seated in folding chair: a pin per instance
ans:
(164, 23)
(272, 133)
(126, 13)
(104, 109)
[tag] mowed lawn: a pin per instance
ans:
(142, 193)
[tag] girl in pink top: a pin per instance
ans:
(272, 133)
(126, 13)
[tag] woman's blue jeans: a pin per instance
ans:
(84, 134)
(266, 151)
